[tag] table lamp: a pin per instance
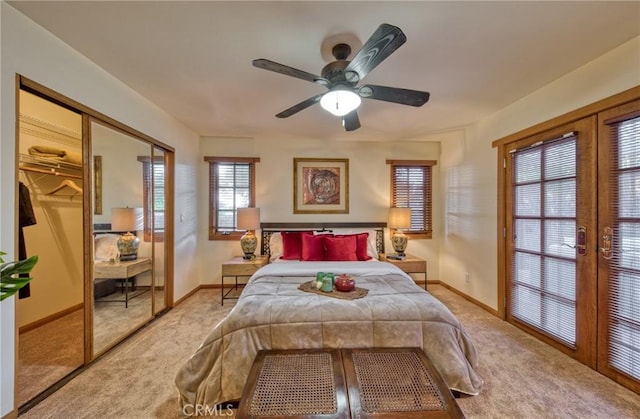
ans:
(249, 220)
(127, 219)
(399, 218)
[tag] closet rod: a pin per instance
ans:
(50, 172)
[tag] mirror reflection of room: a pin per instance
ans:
(49, 311)
(123, 256)
(155, 230)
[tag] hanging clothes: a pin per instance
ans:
(26, 217)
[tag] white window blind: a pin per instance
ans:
(411, 188)
(543, 281)
(233, 191)
(624, 279)
(153, 174)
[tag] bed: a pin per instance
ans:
(273, 313)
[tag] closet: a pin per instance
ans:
(90, 188)
(50, 314)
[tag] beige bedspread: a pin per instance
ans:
(273, 313)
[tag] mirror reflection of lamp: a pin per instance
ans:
(127, 219)
(399, 218)
(249, 220)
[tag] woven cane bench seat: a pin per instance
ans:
(346, 383)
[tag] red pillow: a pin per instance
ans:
(291, 245)
(362, 252)
(341, 248)
(312, 247)
(361, 246)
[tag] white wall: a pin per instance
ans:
(369, 178)
(29, 50)
(469, 166)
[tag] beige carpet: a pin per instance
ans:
(48, 353)
(524, 378)
(113, 320)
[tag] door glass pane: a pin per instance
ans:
(527, 164)
(543, 285)
(559, 160)
(629, 144)
(527, 200)
(527, 305)
(559, 238)
(624, 275)
(528, 235)
(629, 246)
(559, 276)
(560, 198)
(629, 193)
(527, 270)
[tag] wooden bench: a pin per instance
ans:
(346, 383)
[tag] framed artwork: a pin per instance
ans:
(97, 185)
(320, 186)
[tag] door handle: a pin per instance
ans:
(581, 240)
(607, 240)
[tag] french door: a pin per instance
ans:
(619, 262)
(572, 240)
(552, 286)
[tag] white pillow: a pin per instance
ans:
(106, 247)
(275, 246)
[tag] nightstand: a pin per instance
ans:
(125, 272)
(410, 264)
(239, 267)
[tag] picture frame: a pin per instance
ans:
(320, 186)
(97, 185)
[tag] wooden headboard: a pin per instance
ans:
(270, 228)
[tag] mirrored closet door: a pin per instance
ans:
(50, 310)
(155, 230)
(128, 230)
(95, 206)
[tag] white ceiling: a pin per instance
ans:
(193, 59)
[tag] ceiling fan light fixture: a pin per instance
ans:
(340, 102)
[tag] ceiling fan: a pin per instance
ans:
(342, 76)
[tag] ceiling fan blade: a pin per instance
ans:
(300, 106)
(351, 121)
(384, 41)
(288, 71)
(394, 94)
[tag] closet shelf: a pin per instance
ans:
(50, 166)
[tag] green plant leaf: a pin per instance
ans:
(9, 282)
(19, 267)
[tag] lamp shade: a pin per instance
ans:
(340, 102)
(248, 218)
(399, 218)
(126, 219)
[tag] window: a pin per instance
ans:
(153, 196)
(231, 186)
(411, 184)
